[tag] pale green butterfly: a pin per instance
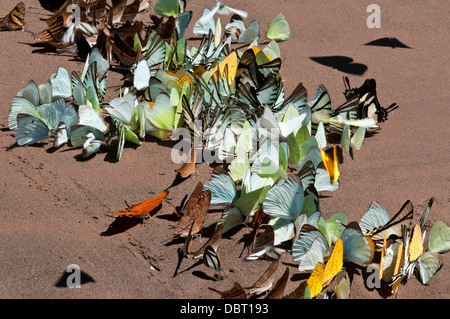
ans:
(159, 116)
(278, 29)
(272, 50)
(285, 201)
(439, 237)
(428, 263)
(345, 139)
(90, 131)
(333, 227)
(122, 110)
(358, 138)
(61, 84)
(23, 104)
(167, 8)
(320, 136)
(141, 76)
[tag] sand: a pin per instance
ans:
(55, 207)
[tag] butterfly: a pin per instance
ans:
(277, 291)
(321, 107)
(358, 248)
(15, 20)
(211, 259)
(264, 246)
(311, 247)
(257, 221)
(321, 275)
(54, 119)
(376, 222)
(28, 99)
(284, 202)
(363, 103)
(278, 29)
(195, 215)
(354, 140)
(89, 132)
(143, 209)
(188, 167)
(220, 8)
(119, 43)
(237, 30)
(64, 24)
(331, 164)
(265, 282)
(224, 192)
(410, 255)
(122, 110)
(121, 12)
(237, 292)
(270, 128)
(169, 8)
(400, 258)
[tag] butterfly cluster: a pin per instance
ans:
(279, 152)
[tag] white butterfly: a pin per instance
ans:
(221, 8)
(268, 126)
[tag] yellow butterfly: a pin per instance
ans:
(231, 62)
(322, 276)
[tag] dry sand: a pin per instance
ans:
(54, 206)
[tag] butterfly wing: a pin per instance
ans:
(357, 248)
(285, 199)
(30, 130)
(439, 238)
(429, 263)
(223, 189)
(61, 84)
